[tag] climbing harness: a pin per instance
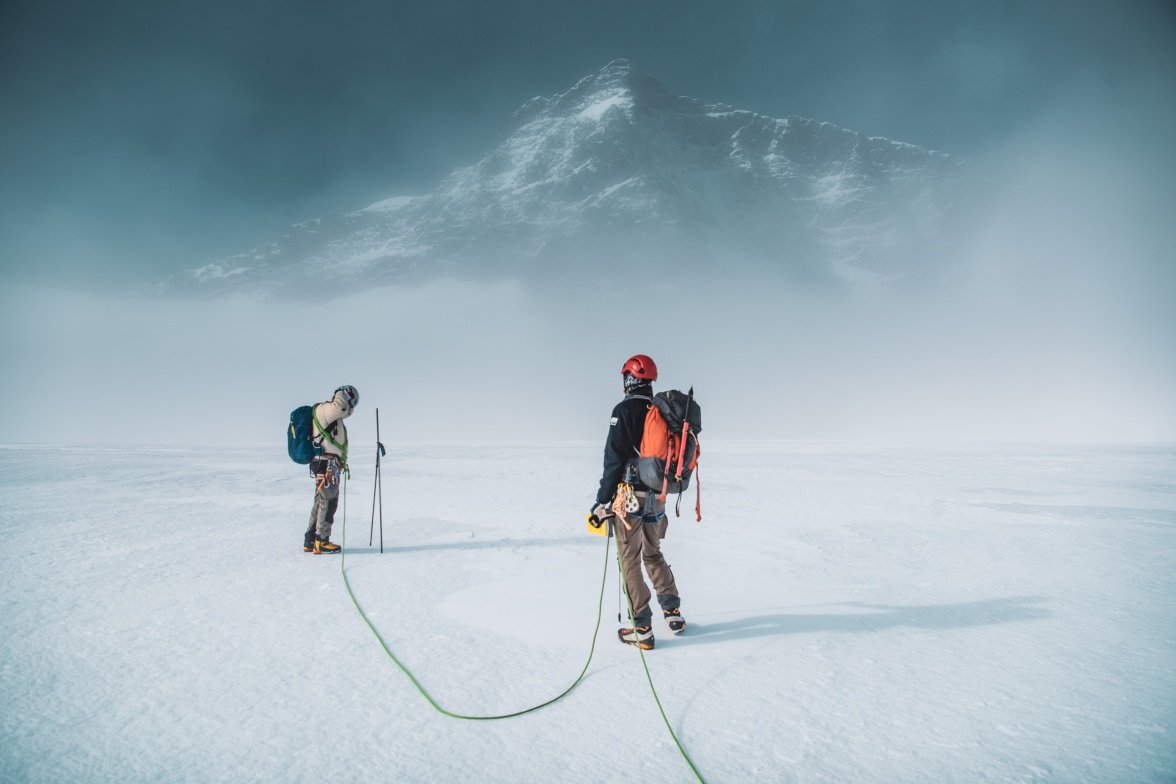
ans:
(626, 500)
(625, 503)
(330, 475)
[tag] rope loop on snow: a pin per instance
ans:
(417, 684)
(558, 697)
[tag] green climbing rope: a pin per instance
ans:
(415, 682)
(649, 678)
(557, 698)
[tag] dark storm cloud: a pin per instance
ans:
(139, 137)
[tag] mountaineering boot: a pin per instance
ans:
(641, 636)
(325, 546)
(675, 620)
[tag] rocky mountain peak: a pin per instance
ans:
(620, 77)
(620, 173)
(619, 86)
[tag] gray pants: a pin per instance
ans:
(322, 515)
(640, 543)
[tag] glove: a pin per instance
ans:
(598, 514)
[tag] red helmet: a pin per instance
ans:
(640, 366)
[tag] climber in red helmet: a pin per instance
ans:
(641, 523)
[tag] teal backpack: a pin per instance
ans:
(300, 436)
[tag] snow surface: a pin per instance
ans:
(856, 613)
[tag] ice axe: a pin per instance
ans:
(681, 450)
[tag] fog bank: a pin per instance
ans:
(461, 361)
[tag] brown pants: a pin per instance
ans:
(641, 543)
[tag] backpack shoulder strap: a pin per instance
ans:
(637, 446)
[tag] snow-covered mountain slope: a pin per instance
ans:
(619, 171)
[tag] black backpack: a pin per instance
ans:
(672, 417)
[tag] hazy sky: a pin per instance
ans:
(138, 137)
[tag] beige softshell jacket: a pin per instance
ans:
(334, 410)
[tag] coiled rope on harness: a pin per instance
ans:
(558, 697)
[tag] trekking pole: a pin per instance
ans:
(380, 476)
(620, 576)
(377, 489)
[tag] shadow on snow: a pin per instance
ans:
(877, 617)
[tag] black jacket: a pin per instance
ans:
(624, 440)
